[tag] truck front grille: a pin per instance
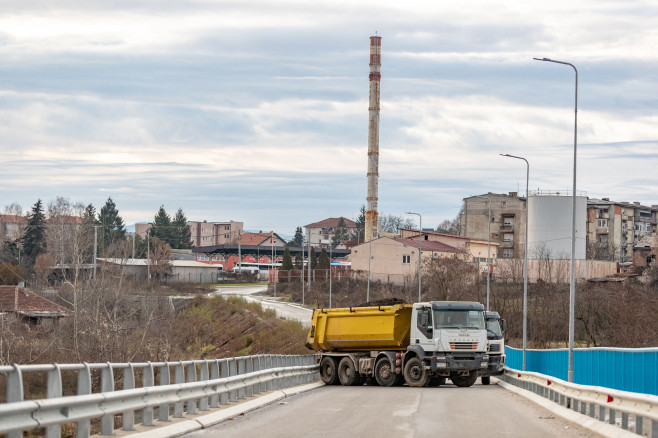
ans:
(463, 345)
(494, 347)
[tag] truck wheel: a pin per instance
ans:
(328, 372)
(437, 381)
(464, 381)
(347, 373)
(414, 372)
(384, 372)
(485, 380)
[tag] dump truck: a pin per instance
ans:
(417, 344)
(496, 327)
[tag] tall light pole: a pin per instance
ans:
(302, 278)
(572, 286)
(525, 264)
(330, 251)
(488, 250)
(420, 251)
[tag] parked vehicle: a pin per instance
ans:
(496, 346)
(420, 344)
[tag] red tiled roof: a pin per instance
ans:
(17, 299)
(428, 245)
(332, 222)
(257, 238)
(12, 219)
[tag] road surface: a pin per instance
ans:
(284, 310)
(400, 412)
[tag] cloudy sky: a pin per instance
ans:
(257, 111)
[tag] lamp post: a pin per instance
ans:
(572, 286)
(420, 251)
(488, 250)
(302, 278)
(330, 248)
(525, 264)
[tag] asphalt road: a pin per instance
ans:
(284, 310)
(401, 412)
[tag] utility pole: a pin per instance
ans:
(95, 249)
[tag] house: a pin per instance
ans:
(395, 259)
(644, 253)
(474, 250)
(322, 233)
(11, 226)
(30, 307)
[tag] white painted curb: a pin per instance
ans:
(223, 413)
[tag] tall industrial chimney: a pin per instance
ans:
(372, 216)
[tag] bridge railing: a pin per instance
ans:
(629, 411)
(182, 387)
(626, 369)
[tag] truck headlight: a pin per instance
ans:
(441, 364)
(484, 364)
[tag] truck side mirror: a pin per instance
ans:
(503, 323)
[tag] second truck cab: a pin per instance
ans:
(496, 345)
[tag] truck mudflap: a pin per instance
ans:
(449, 362)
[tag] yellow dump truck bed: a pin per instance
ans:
(360, 328)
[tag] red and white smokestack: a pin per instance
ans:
(372, 216)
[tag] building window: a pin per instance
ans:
(507, 237)
(602, 223)
(508, 253)
(406, 259)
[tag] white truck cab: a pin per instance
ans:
(496, 345)
(450, 338)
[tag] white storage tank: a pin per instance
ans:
(549, 225)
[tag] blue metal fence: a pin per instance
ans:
(626, 369)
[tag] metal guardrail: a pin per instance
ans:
(220, 382)
(629, 411)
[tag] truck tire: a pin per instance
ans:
(464, 381)
(437, 381)
(328, 370)
(347, 373)
(385, 372)
(414, 372)
(485, 380)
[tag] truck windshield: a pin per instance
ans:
(462, 319)
(493, 325)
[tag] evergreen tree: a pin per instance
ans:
(360, 224)
(298, 240)
(89, 215)
(340, 233)
(182, 234)
(161, 227)
(298, 261)
(314, 259)
(323, 260)
(34, 238)
(112, 229)
(286, 264)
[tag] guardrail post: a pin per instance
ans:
(204, 374)
(602, 413)
(179, 378)
(249, 369)
(232, 371)
(128, 417)
(191, 377)
(624, 420)
(223, 398)
(15, 393)
(83, 427)
(268, 366)
(148, 379)
(256, 362)
(592, 410)
(214, 375)
(54, 390)
(611, 418)
(242, 363)
(163, 410)
(107, 385)
(638, 425)
(654, 429)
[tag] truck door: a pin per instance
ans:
(423, 333)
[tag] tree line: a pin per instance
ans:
(65, 233)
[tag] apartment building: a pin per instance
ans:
(11, 226)
(206, 233)
(614, 228)
(508, 216)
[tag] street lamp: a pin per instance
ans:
(572, 287)
(420, 251)
(525, 264)
(488, 250)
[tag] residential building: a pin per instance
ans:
(30, 307)
(322, 233)
(508, 216)
(11, 226)
(205, 233)
(395, 260)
